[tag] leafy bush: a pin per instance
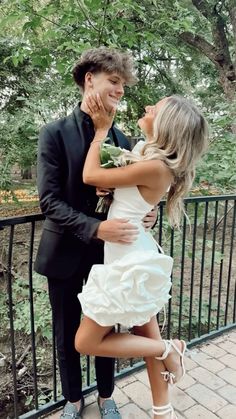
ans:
(21, 308)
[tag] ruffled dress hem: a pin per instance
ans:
(128, 291)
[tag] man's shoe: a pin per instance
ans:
(70, 411)
(109, 410)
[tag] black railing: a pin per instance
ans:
(203, 302)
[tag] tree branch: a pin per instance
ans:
(218, 28)
(203, 7)
(31, 10)
(232, 14)
(47, 19)
(201, 44)
(86, 16)
(103, 23)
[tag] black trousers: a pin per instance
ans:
(66, 311)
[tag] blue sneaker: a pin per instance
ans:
(70, 411)
(109, 410)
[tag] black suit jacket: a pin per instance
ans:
(67, 244)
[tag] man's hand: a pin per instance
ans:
(118, 230)
(104, 191)
(150, 219)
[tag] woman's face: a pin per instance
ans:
(146, 122)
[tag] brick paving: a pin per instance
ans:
(208, 390)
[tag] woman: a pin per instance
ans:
(134, 283)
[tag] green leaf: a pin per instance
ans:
(15, 60)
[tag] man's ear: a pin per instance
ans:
(88, 80)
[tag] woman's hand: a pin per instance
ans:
(102, 119)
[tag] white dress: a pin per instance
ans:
(134, 283)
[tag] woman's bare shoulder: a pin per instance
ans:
(159, 167)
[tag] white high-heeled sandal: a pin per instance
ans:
(163, 410)
(171, 376)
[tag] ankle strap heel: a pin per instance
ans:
(164, 410)
(172, 377)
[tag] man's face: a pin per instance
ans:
(109, 86)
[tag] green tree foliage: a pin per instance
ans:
(185, 47)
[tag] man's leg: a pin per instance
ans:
(105, 371)
(66, 315)
(105, 368)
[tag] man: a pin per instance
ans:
(72, 238)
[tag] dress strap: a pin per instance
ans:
(158, 246)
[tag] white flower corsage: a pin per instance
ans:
(110, 156)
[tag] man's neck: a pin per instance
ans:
(83, 107)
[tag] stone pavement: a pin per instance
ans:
(207, 391)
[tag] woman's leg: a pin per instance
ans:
(159, 387)
(93, 339)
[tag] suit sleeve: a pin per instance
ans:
(50, 168)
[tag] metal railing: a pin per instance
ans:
(202, 306)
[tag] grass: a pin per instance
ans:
(11, 209)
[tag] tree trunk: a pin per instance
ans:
(26, 173)
(218, 51)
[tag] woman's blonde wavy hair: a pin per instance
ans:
(180, 136)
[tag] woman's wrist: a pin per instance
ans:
(100, 135)
(101, 132)
(96, 141)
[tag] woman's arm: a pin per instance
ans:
(136, 174)
(142, 173)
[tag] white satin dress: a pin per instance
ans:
(134, 283)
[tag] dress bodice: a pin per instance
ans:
(129, 203)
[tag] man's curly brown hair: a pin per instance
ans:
(105, 60)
